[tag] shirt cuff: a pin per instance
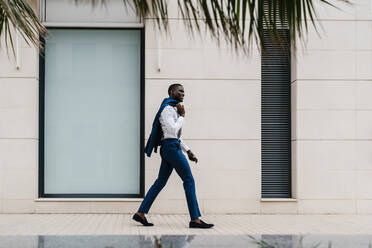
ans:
(184, 147)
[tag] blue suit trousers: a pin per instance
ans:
(172, 157)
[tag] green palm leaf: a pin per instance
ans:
(19, 13)
(239, 22)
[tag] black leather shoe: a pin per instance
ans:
(143, 220)
(202, 224)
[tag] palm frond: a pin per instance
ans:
(19, 14)
(238, 22)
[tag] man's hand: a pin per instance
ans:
(180, 109)
(192, 156)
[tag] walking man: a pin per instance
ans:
(166, 133)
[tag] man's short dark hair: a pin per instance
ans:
(172, 87)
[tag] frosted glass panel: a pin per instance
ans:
(92, 111)
(69, 11)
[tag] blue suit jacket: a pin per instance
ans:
(156, 133)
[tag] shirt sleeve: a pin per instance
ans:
(169, 123)
(184, 147)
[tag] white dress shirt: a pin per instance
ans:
(171, 123)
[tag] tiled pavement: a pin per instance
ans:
(114, 224)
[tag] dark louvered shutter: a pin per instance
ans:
(276, 118)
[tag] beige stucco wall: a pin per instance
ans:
(331, 123)
(332, 109)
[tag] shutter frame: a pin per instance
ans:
(276, 118)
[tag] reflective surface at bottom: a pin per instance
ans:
(168, 241)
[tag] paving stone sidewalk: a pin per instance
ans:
(120, 224)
